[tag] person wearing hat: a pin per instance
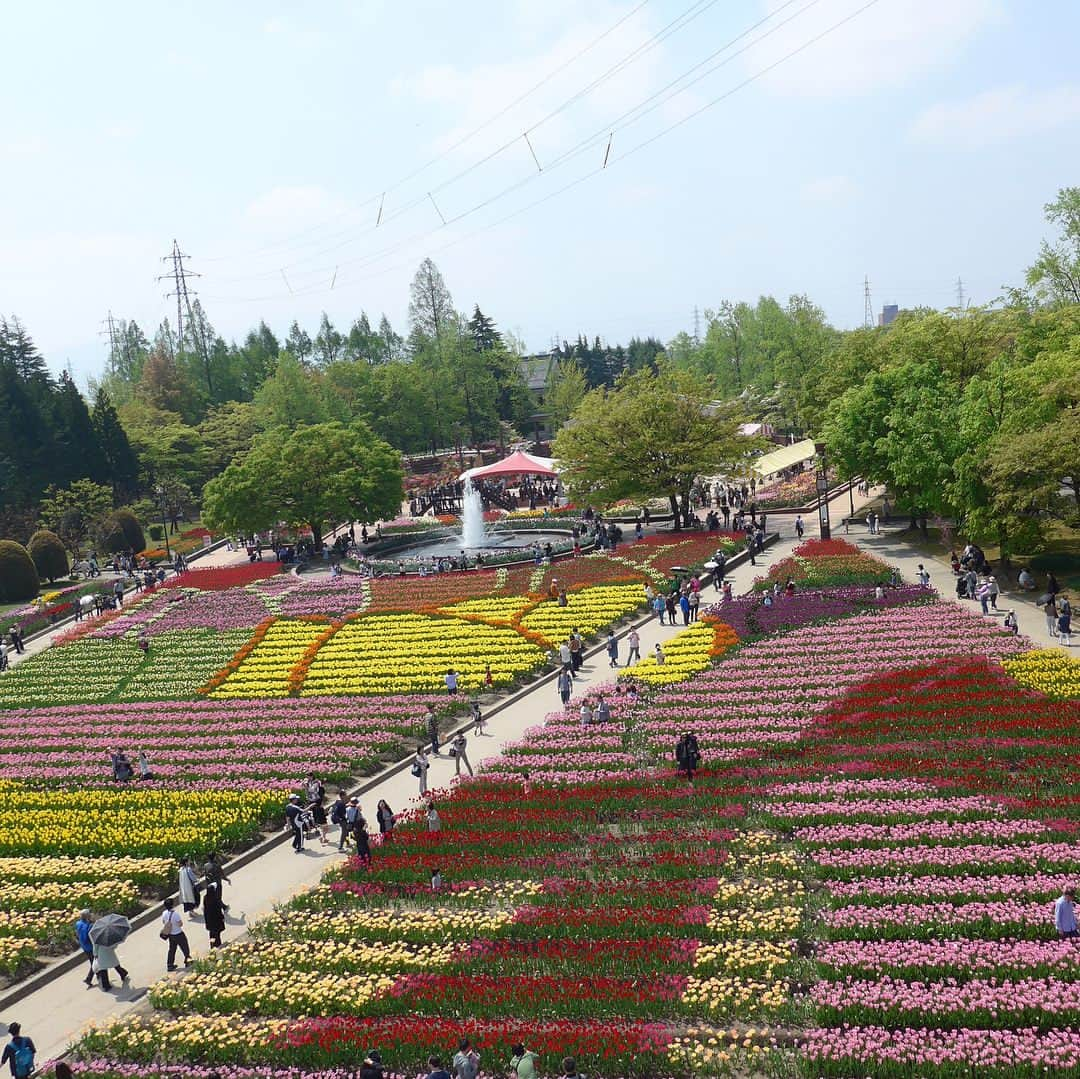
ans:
(372, 1067)
(294, 814)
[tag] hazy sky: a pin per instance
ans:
(917, 143)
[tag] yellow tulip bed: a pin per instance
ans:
(587, 610)
(687, 653)
(153, 822)
(17, 954)
(1048, 670)
(265, 667)
(411, 653)
(142, 871)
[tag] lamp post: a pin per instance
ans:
(823, 490)
(159, 490)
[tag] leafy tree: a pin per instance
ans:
(307, 476)
(76, 512)
(566, 390)
(165, 444)
(227, 432)
(329, 344)
(48, 554)
(19, 580)
(292, 395)
(298, 343)
(393, 343)
(431, 308)
(121, 531)
(653, 435)
(1055, 274)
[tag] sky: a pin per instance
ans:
(308, 155)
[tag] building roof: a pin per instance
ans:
(785, 457)
(536, 370)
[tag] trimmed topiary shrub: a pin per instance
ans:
(49, 554)
(122, 531)
(19, 580)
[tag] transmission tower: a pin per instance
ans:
(179, 275)
(959, 297)
(868, 307)
(697, 325)
(110, 331)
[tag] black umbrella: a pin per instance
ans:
(109, 930)
(1045, 598)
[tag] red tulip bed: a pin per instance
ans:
(859, 883)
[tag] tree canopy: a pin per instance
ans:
(315, 474)
(652, 435)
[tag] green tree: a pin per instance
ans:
(431, 308)
(226, 433)
(80, 448)
(120, 458)
(165, 444)
(76, 512)
(292, 395)
(482, 329)
(566, 390)
(1055, 274)
(329, 344)
(653, 435)
(307, 476)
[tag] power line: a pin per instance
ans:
(600, 168)
(643, 108)
(464, 138)
(678, 23)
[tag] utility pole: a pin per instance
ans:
(179, 275)
(868, 307)
(959, 298)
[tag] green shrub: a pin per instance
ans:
(49, 554)
(19, 580)
(122, 531)
(157, 533)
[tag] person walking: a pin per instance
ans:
(1051, 611)
(172, 930)
(523, 1062)
(1065, 914)
(188, 886)
(659, 606)
(800, 528)
(420, 768)
(20, 1052)
(385, 817)
(459, 749)
(82, 934)
(633, 640)
(992, 585)
(565, 687)
(466, 1062)
(294, 821)
(924, 577)
(433, 729)
(338, 812)
(360, 835)
(214, 912)
(577, 651)
(106, 959)
(1064, 624)
(612, 649)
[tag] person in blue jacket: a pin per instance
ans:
(82, 932)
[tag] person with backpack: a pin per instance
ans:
(20, 1051)
(569, 1069)
(82, 934)
(466, 1062)
(337, 816)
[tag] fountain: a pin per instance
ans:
(472, 517)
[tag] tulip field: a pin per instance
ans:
(858, 882)
(249, 679)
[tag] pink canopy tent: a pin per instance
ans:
(518, 463)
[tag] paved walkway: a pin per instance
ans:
(892, 547)
(54, 1014)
